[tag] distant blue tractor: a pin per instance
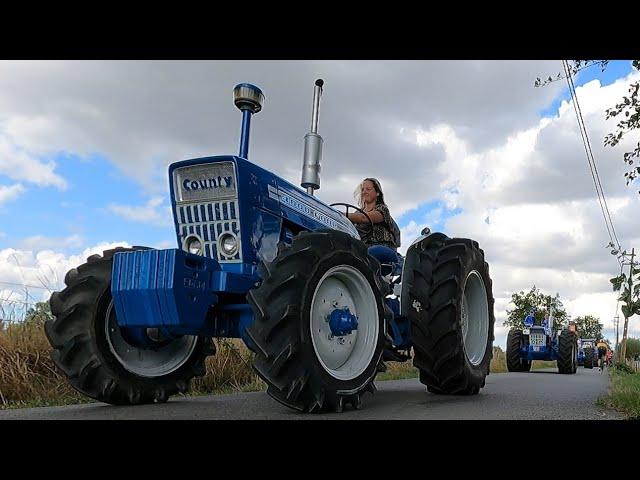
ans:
(542, 342)
(588, 355)
(265, 261)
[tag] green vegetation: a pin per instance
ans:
(624, 395)
(633, 348)
(542, 364)
(499, 361)
(534, 298)
(589, 327)
(398, 371)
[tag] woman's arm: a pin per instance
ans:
(375, 216)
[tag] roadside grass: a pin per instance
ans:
(624, 394)
(542, 364)
(499, 361)
(27, 374)
(398, 371)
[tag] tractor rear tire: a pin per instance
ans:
(451, 314)
(515, 363)
(567, 352)
(305, 366)
(589, 355)
(84, 336)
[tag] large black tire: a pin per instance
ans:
(286, 358)
(515, 341)
(436, 288)
(81, 349)
(567, 352)
(589, 356)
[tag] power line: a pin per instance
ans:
(16, 302)
(23, 285)
(591, 160)
(542, 83)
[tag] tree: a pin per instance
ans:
(633, 348)
(589, 327)
(630, 299)
(38, 314)
(534, 298)
(628, 108)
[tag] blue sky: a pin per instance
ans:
(82, 209)
(615, 70)
(435, 213)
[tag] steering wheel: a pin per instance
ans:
(369, 225)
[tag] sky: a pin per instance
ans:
(470, 148)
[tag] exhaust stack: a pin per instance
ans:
(311, 163)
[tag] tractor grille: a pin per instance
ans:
(209, 220)
(537, 339)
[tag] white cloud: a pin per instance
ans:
(42, 271)
(18, 163)
(530, 202)
(149, 213)
(8, 193)
(40, 242)
(145, 114)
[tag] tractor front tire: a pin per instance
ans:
(567, 352)
(515, 341)
(97, 361)
(451, 313)
(589, 355)
(307, 367)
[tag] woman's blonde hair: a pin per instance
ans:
(376, 184)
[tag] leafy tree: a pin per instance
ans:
(38, 314)
(589, 327)
(535, 298)
(633, 348)
(630, 299)
(628, 109)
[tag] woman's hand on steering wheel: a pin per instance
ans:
(369, 228)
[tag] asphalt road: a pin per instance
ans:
(538, 395)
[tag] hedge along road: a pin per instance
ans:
(537, 395)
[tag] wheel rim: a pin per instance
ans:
(147, 362)
(475, 318)
(345, 357)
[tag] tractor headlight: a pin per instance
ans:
(525, 331)
(228, 243)
(193, 245)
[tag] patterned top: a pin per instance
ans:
(381, 234)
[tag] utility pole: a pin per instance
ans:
(623, 350)
(616, 321)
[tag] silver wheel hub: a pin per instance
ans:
(474, 318)
(344, 357)
(147, 362)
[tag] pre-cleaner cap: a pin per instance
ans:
(248, 97)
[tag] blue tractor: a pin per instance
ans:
(541, 341)
(265, 261)
(587, 354)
